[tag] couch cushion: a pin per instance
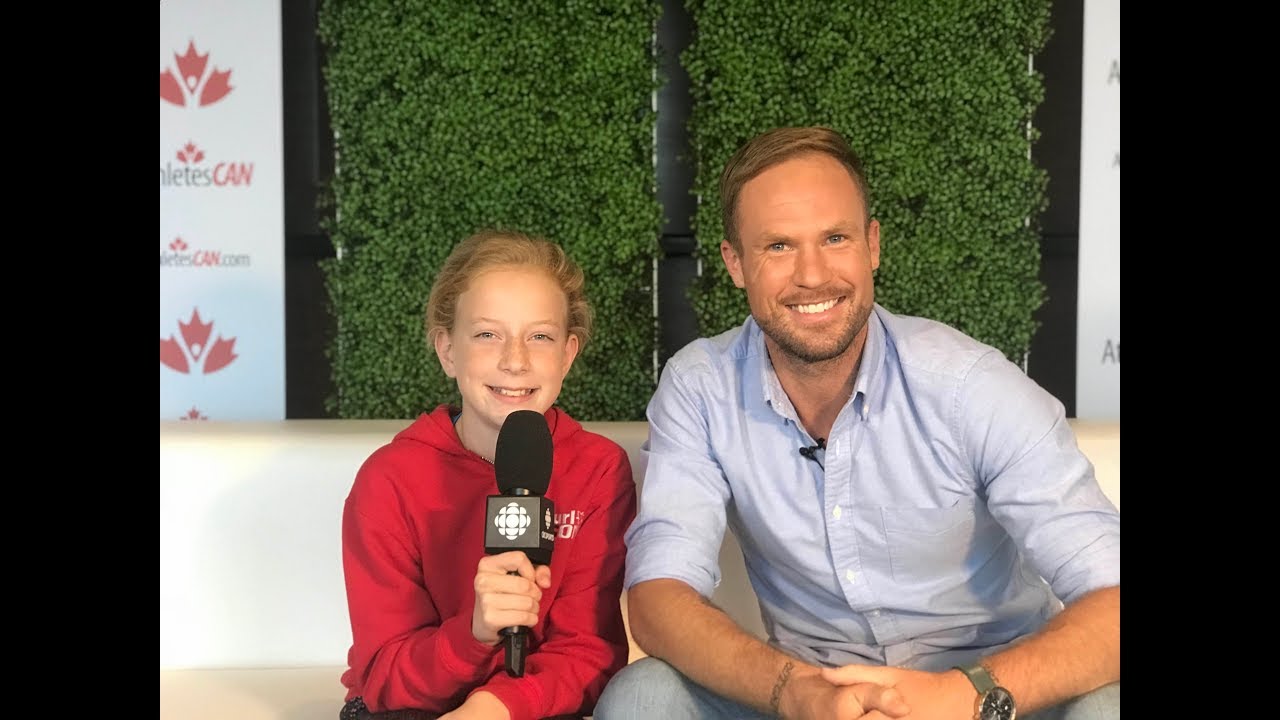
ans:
(252, 694)
(250, 556)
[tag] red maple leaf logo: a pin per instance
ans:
(171, 354)
(190, 153)
(220, 355)
(193, 414)
(195, 333)
(177, 245)
(195, 338)
(191, 67)
(170, 89)
(218, 87)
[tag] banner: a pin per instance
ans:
(221, 211)
(1098, 313)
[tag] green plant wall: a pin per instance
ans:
(936, 97)
(450, 116)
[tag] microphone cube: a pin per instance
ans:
(520, 522)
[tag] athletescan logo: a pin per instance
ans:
(512, 521)
(191, 171)
(190, 85)
(181, 254)
(194, 347)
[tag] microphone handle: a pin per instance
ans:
(515, 646)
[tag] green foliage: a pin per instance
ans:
(447, 117)
(936, 97)
(537, 116)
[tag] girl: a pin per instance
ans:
(507, 315)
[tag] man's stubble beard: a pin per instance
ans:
(793, 343)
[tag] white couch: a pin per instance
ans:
(253, 617)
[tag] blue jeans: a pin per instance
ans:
(650, 688)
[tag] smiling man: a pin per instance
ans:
(919, 526)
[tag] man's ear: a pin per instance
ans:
(443, 343)
(732, 262)
(873, 243)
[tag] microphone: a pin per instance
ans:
(810, 452)
(520, 518)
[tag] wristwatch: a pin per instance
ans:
(994, 702)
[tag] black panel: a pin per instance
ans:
(1052, 362)
(677, 268)
(308, 163)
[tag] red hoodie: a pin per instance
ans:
(412, 535)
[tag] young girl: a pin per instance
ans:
(507, 316)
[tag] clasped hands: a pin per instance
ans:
(870, 692)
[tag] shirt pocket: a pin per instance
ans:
(928, 545)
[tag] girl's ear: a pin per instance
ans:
(443, 342)
(570, 353)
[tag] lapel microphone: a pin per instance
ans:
(810, 452)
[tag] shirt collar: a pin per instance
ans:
(869, 383)
(771, 387)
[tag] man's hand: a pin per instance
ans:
(810, 696)
(932, 696)
(503, 599)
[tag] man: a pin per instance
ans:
(913, 510)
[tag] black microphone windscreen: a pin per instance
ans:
(522, 459)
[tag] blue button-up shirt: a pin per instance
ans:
(952, 512)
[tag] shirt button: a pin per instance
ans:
(851, 576)
(873, 613)
(836, 513)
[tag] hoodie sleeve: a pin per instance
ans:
(403, 653)
(584, 642)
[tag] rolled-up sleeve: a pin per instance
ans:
(681, 521)
(1038, 483)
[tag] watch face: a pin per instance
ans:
(997, 705)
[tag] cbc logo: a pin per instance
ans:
(512, 521)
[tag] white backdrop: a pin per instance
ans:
(221, 211)
(1098, 311)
